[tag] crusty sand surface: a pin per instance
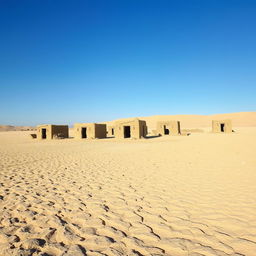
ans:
(183, 195)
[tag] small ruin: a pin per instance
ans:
(222, 126)
(90, 131)
(51, 131)
(168, 128)
(134, 129)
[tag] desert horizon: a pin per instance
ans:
(239, 119)
(167, 195)
(127, 128)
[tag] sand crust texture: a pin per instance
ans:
(182, 195)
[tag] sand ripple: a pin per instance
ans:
(179, 196)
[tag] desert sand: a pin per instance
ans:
(5, 128)
(178, 195)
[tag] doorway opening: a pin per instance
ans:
(179, 128)
(166, 131)
(112, 131)
(222, 127)
(84, 133)
(127, 131)
(43, 133)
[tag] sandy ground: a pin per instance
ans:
(184, 195)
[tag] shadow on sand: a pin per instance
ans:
(152, 137)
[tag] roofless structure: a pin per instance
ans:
(52, 131)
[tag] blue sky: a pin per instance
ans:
(91, 61)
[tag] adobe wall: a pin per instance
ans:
(48, 131)
(90, 131)
(93, 130)
(172, 126)
(109, 131)
(100, 131)
(53, 131)
(138, 129)
(216, 126)
(60, 131)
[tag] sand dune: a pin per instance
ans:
(6, 128)
(176, 196)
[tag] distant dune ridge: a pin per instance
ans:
(6, 128)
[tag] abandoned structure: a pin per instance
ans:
(222, 126)
(50, 131)
(168, 128)
(135, 129)
(90, 131)
(110, 131)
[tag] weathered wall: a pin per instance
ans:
(109, 130)
(60, 131)
(143, 128)
(48, 131)
(100, 131)
(216, 126)
(172, 126)
(92, 130)
(53, 131)
(138, 129)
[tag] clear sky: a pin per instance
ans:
(90, 61)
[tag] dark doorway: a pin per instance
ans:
(43, 133)
(127, 131)
(166, 131)
(179, 127)
(84, 133)
(222, 127)
(112, 131)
